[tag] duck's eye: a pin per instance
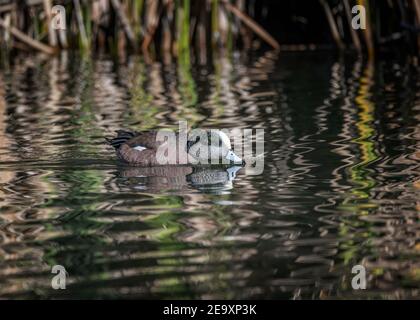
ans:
(190, 143)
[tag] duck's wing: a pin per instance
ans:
(122, 137)
(144, 140)
(135, 139)
(145, 157)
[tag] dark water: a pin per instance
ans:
(340, 185)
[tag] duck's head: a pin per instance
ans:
(212, 146)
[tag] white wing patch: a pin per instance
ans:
(139, 148)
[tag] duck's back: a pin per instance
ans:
(145, 139)
(138, 148)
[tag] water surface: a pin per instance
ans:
(340, 186)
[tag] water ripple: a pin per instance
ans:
(340, 183)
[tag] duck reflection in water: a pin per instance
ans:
(209, 179)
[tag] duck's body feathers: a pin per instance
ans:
(137, 148)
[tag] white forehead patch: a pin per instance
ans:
(224, 138)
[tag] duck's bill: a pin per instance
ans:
(232, 172)
(233, 158)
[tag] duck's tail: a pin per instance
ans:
(122, 137)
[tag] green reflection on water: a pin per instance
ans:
(360, 201)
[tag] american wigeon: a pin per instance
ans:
(149, 149)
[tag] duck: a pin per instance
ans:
(148, 149)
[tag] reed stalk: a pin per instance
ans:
(125, 23)
(353, 33)
(331, 22)
(26, 39)
(215, 23)
(417, 11)
(368, 31)
(252, 25)
(151, 22)
(136, 17)
(80, 22)
(183, 32)
(52, 36)
(187, 30)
